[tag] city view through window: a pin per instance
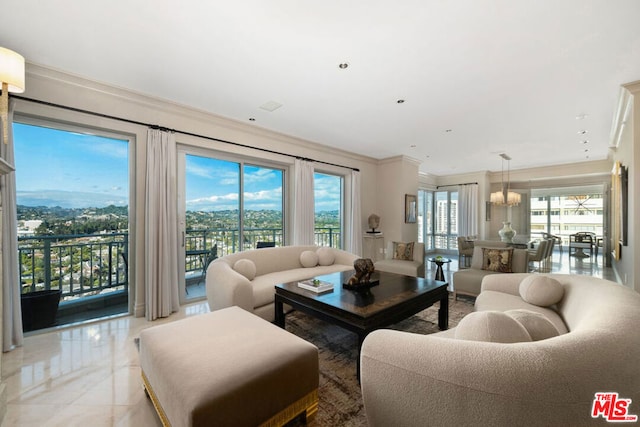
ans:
(563, 212)
(72, 189)
(219, 214)
(72, 196)
(560, 212)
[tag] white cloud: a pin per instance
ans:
(198, 170)
(261, 175)
(214, 199)
(108, 147)
(275, 194)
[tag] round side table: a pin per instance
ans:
(439, 262)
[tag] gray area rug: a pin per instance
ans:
(340, 396)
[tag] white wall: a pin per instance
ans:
(626, 136)
(397, 176)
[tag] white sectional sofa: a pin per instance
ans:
(247, 279)
(413, 267)
(467, 281)
(447, 380)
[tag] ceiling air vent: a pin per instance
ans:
(271, 106)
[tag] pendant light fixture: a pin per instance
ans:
(508, 197)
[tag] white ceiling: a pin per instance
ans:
(502, 75)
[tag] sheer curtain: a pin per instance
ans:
(11, 312)
(468, 210)
(304, 215)
(355, 235)
(161, 238)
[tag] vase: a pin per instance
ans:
(506, 232)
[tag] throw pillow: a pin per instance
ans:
(246, 267)
(541, 290)
(497, 259)
(326, 256)
(491, 326)
(308, 259)
(538, 326)
(403, 251)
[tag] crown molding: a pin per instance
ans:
(621, 114)
(227, 128)
(593, 171)
(400, 158)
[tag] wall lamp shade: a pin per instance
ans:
(12, 79)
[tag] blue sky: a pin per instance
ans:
(214, 185)
(73, 170)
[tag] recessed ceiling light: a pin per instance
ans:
(448, 130)
(582, 132)
(400, 101)
(586, 150)
(343, 65)
(581, 116)
(584, 141)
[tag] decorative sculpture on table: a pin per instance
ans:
(374, 222)
(361, 279)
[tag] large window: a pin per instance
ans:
(438, 219)
(565, 211)
(229, 206)
(72, 188)
(328, 190)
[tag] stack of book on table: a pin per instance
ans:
(315, 285)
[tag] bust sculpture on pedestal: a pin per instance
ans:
(374, 222)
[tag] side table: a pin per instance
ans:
(439, 262)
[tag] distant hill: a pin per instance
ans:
(63, 221)
(57, 212)
(57, 220)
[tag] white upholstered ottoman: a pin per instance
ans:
(228, 368)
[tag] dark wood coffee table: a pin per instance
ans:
(396, 298)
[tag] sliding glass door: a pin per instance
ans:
(72, 188)
(438, 219)
(262, 222)
(328, 192)
(225, 206)
(565, 211)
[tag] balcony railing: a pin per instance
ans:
(92, 264)
(79, 265)
(227, 241)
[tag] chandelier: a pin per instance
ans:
(508, 197)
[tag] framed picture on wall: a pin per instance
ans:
(410, 208)
(620, 220)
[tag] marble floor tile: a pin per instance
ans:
(83, 375)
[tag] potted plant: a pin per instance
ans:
(39, 308)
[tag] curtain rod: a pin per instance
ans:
(152, 126)
(454, 185)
